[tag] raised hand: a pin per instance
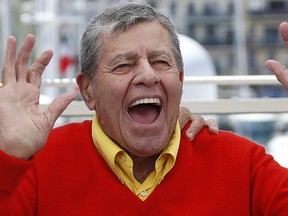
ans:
(280, 71)
(24, 128)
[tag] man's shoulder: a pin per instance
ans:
(67, 138)
(223, 148)
(224, 135)
(70, 134)
(75, 128)
(224, 140)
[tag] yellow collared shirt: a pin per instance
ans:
(122, 165)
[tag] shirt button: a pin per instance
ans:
(123, 158)
(143, 193)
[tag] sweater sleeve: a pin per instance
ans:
(17, 186)
(269, 185)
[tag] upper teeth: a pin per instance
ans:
(147, 101)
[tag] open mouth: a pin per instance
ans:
(146, 110)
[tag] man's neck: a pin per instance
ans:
(143, 166)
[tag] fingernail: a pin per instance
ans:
(190, 135)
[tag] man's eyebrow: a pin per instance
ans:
(157, 53)
(120, 57)
(130, 55)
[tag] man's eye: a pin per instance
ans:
(161, 62)
(161, 65)
(122, 66)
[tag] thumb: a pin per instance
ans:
(58, 105)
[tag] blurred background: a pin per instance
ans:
(217, 38)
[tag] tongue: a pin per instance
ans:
(144, 114)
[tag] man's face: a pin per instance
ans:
(137, 88)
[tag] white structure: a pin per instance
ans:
(197, 62)
(278, 147)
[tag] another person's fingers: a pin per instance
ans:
(213, 126)
(197, 124)
(184, 116)
(279, 70)
(8, 68)
(283, 28)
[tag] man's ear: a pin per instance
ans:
(181, 77)
(86, 89)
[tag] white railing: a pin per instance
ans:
(219, 106)
(227, 107)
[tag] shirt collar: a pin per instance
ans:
(109, 150)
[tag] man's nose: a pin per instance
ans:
(145, 74)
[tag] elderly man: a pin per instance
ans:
(132, 159)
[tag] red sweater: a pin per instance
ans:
(214, 175)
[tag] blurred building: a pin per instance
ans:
(240, 35)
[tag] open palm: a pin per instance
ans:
(24, 128)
